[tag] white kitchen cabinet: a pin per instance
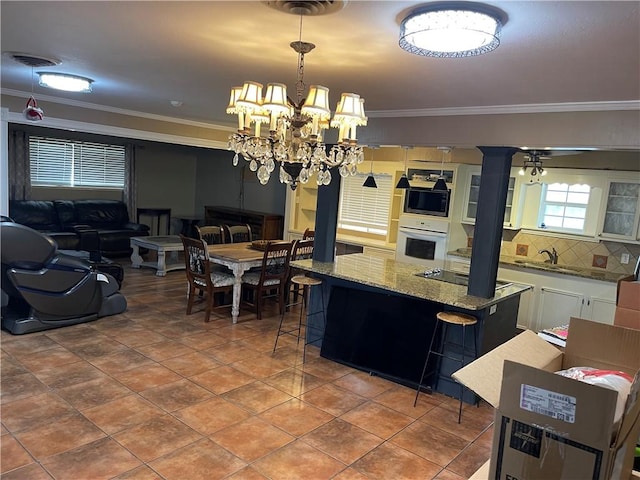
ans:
(556, 297)
(557, 306)
(472, 191)
(621, 213)
(599, 309)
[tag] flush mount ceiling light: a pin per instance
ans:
(451, 30)
(295, 124)
(65, 81)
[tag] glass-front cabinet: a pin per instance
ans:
(621, 214)
(470, 207)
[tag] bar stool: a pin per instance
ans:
(445, 319)
(307, 283)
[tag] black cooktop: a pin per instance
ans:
(450, 277)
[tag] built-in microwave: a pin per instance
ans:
(426, 201)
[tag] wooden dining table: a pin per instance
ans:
(238, 257)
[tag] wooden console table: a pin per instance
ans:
(157, 214)
(264, 226)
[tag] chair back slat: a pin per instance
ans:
(275, 262)
(212, 234)
(302, 249)
(309, 234)
(239, 233)
(196, 260)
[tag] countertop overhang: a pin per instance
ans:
(401, 278)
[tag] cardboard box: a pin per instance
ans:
(549, 426)
(482, 473)
(627, 318)
(628, 303)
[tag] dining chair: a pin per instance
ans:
(302, 249)
(200, 275)
(239, 233)
(212, 234)
(309, 234)
(271, 280)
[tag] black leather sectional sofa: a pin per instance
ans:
(73, 223)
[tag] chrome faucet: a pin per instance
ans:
(553, 255)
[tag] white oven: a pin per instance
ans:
(422, 240)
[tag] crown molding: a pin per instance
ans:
(99, 129)
(510, 109)
(419, 112)
(119, 111)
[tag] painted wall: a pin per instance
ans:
(219, 183)
(166, 178)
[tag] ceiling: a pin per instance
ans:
(143, 55)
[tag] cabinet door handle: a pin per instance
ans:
(588, 302)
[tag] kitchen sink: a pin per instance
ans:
(547, 266)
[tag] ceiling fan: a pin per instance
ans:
(533, 159)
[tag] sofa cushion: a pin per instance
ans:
(101, 214)
(116, 240)
(40, 215)
(66, 213)
(65, 240)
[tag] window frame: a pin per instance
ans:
(544, 202)
(69, 163)
(376, 198)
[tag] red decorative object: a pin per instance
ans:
(32, 112)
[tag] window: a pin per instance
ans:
(365, 209)
(564, 207)
(72, 163)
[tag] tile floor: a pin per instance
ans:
(155, 394)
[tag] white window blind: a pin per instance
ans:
(365, 209)
(564, 207)
(71, 163)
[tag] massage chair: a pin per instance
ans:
(43, 288)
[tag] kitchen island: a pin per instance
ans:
(381, 314)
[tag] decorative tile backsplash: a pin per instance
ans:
(600, 261)
(577, 253)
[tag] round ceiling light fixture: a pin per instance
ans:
(65, 81)
(451, 30)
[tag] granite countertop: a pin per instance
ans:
(400, 277)
(523, 263)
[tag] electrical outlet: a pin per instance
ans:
(624, 258)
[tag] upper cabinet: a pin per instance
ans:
(620, 215)
(472, 191)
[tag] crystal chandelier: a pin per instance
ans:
(295, 129)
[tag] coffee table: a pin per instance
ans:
(162, 244)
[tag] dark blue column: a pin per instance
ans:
(494, 184)
(327, 219)
(323, 251)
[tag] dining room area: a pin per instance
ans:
(155, 392)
